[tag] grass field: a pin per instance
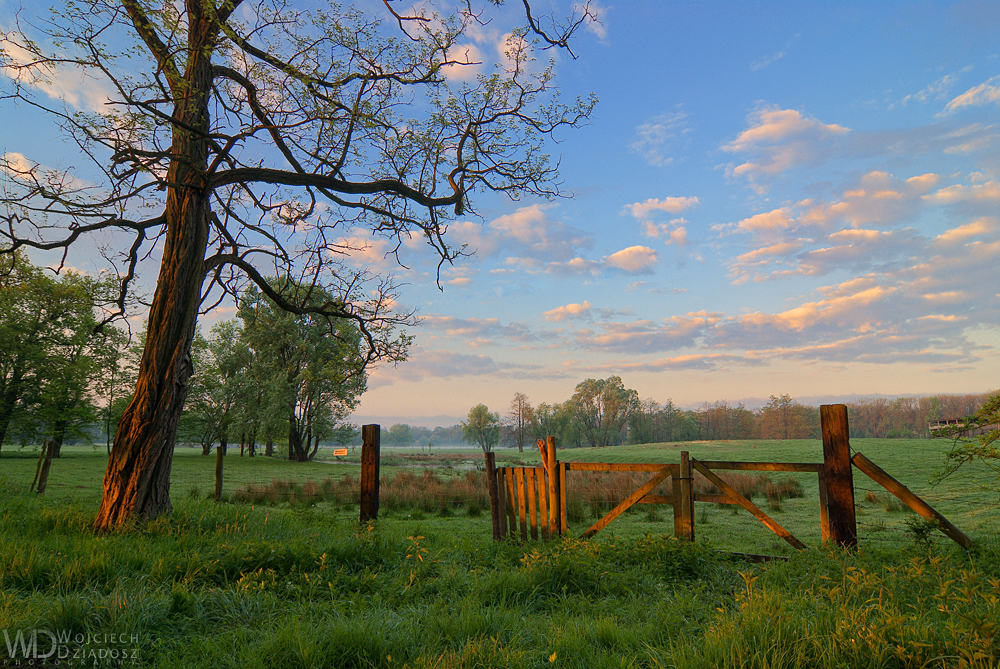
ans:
(293, 584)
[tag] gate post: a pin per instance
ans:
(494, 493)
(219, 455)
(552, 467)
(838, 474)
(683, 489)
(370, 446)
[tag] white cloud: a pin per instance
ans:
(75, 86)
(634, 259)
(670, 204)
(567, 311)
(779, 140)
(654, 140)
(937, 90)
(764, 61)
(984, 93)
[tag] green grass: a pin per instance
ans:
(240, 586)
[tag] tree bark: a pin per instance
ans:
(137, 480)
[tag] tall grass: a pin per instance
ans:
(302, 586)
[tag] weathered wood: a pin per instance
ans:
(657, 499)
(544, 453)
(502, 502)
(511, 501)
(617, 466)
(748, 505)
(629, 501)
(370, 458)
(521, 510)
(713, 499)
(879, 475)
(530, 481)
(824, 514)
(220, 456)
(563, 525)
(763, 466)
(38, 466)
(553, 486)
(494, 494)
(839, 477)
(684, 524)
(48, 449)
(544, 529)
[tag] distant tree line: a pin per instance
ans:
(604, 412)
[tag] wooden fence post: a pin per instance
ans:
(553, 489)
(838, 474)
(684, 504)
(494, 492)
(219, 455)
(44, 463)
(370, 446)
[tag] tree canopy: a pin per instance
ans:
(244, 139)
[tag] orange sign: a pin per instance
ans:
(340, 451)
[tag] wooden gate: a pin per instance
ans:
(530, 502)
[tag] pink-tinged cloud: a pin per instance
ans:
(634, 260)
(672, 205)
(568, 311)
(983, 94)
(978, 228)
(775, 219)
(989, 191)
(780, 140)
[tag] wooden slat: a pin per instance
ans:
(629, 501)
(763, 466)
(553, 487)
(878, 475)
(491, 489)
(617, 466)
(748, 505)
(544, 454)
(543, 507)
(529, 483)
(713, 499)
(521, 510)
(511, 501)
(675, 490)
(501, 502)
(563, 525)
(657, 499)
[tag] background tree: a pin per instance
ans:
(603, 407)
(317, 363)
(517, 422)
(784, 418)
(398, 435)
(260, 134)
(482, 427)
(49, 344)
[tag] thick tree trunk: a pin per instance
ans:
(8, 401)
(137, 481)
(269, 449)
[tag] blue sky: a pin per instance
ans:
(776, 197)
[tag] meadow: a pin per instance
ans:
(290, 579)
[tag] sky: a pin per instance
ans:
(769, 198)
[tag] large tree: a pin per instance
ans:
(603, 407)
(259, 135)
(481, 427)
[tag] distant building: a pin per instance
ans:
(948, 427)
